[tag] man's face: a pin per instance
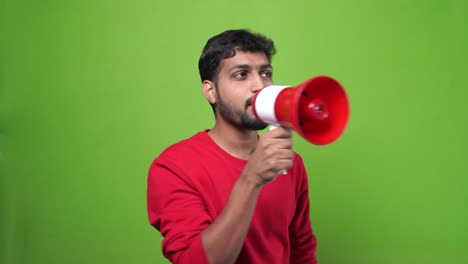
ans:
(238, 79)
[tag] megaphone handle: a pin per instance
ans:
(281, 172)
(274, 127)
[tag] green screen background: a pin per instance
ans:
(92, 91)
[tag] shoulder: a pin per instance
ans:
(299, 171)
(183, 148)
(298, 162)
(181, 157)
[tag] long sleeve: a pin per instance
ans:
(176, 209)
(188, 187)
(302, 239)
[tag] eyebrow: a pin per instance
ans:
(248, 67)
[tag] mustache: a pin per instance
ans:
(248, 102)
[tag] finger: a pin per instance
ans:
(282, 143)
(283, 133)
(284, 154)
(282, 165)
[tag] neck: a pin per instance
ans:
(235, 141)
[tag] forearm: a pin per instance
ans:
(224, 238)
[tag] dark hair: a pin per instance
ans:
(224, 46)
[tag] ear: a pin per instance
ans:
(209, 91)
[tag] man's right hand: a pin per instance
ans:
(272, 154)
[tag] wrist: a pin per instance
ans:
(250, 182)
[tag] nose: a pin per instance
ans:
(258, 83)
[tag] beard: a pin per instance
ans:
(243, 120)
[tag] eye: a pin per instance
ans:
(240, 75)
(267, 74)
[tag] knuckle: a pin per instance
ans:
(271, 163)
(268, 152)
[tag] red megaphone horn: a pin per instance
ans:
(317, 109)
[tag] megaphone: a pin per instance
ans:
(317, 109)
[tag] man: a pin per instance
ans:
(218, 197)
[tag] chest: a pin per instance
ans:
(277, 199)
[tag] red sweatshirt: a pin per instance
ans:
(188, 185)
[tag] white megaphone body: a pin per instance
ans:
(317, 109)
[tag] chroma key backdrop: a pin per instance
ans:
(92, 91)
